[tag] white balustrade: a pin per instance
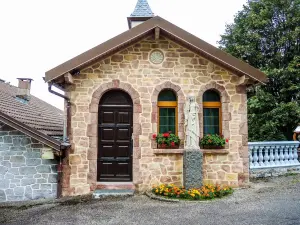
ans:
(273, 154)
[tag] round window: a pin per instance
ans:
(156, 57)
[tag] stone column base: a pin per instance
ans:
(192, 168)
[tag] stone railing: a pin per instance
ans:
(273, 154)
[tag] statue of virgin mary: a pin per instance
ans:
(191, 123)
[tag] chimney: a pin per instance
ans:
(24, 88)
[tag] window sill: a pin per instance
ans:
(181, 151)
(168, 151)
(215, 151)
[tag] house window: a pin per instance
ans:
(167, 112)
(212, 114)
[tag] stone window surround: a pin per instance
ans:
(93, 129)
(180, 105)
(226, 115)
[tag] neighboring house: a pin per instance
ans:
(28, 128)
(134, 85)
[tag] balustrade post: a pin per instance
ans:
(266, 156)
(277, 162)
(255, 157)
(291, 155)
(286, 155)
(260, 156)
(296, 162)
(281, 156)
(272, 163)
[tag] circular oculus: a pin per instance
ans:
(156, 57)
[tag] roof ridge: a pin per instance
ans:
(142, 9)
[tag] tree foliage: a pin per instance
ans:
(266, 34)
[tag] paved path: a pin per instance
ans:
(273, 201)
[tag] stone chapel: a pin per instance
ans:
(121, 92)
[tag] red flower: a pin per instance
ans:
(172, 143)
(166, 135)
(154, 136)
(209, 141)
(163, 145)
(227, 140)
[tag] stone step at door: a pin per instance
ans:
(101, 193)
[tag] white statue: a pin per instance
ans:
(191, 123)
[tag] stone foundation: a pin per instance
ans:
(23, 174)
(273, 172)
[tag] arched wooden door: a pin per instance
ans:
(114, 137)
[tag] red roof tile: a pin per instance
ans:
(35, 113)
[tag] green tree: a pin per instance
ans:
(266, 34)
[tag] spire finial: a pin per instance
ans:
(142, 9)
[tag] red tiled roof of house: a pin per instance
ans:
(35, 113)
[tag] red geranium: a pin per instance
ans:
(154, 136)
(172, 143)
(166, 135)
(227, 140)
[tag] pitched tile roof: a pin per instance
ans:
(167, 29)
(36, 113)
(142, 9)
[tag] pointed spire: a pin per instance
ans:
(142, 9)
(141, 13)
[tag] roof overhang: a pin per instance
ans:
(188, 40)
(31, 132)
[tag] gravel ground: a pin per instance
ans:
(269, 201)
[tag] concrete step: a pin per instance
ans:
(101, 193)
(115, 186)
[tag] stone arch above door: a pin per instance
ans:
(226, 116)
(180, 101)
(92, 131)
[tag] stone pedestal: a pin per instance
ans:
(192, 168)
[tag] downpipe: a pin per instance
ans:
(65, 144)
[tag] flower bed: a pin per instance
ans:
(205, 192)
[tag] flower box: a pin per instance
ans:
(166, 140)
(167, 147)
(213, 141)
(212, 147)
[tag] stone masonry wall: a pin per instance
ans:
(130, 70)
(23, 174)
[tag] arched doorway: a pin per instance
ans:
(115, 125)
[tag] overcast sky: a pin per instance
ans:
(37, 35)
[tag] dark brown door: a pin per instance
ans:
(114, 141)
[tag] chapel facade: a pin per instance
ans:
(123, 91)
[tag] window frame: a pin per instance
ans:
(168, 104)
(213, 105)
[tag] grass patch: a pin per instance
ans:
(291, 174)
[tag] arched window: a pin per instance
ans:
(167, 112)
(212, 113)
